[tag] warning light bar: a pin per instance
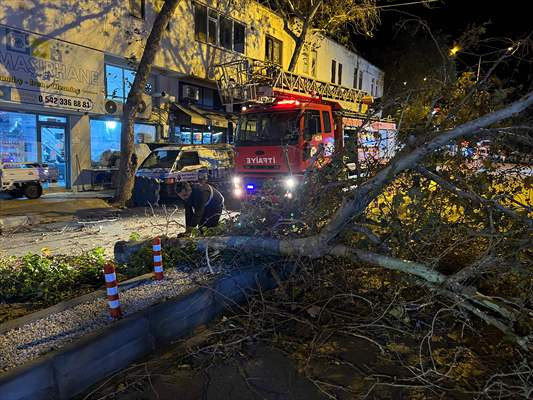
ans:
(293, 102)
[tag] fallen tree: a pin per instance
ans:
(356, 201)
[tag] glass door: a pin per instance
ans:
(53, 154)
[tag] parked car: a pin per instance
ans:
(165, 166)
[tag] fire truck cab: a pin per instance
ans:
(286, 120)
(279, 141)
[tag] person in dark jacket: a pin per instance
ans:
(203, 204)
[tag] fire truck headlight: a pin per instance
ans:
(290, 182)
(236, 181)
(237, 192)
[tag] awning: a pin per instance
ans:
(187, 116)
(216, 119)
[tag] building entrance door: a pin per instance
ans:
(52, 138)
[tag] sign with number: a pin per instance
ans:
(38, 70)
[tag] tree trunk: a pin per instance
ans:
(128, 160)
(300, 39)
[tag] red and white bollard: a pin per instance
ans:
(112, 290)
(158, 259)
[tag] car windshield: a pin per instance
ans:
(268, 128)
(160, 159)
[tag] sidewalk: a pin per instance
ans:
(53, 207)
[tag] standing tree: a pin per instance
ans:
(325, 17)
(128, 160)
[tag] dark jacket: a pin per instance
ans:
(204, 201)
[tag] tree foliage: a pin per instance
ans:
(335, 19)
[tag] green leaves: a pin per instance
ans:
(49, 279)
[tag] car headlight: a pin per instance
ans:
(290, 182)
(237, 192)
(236, 180)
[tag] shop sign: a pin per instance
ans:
(38, 70)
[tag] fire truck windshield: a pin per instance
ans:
(268, 129)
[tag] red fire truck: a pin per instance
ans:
(286, 119)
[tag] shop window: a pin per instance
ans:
(18, 137)
(196, 135)
(183, 134)
(197, 95)
(119, 81)
(273, 50)
(190, 92)
(105, 140)
(144, 133)
(206, 138)
(137, 8)
(52, 118)
(105, 143)
(218, 136)
(114, 82)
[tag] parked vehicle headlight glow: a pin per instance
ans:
(236, 180)
(290, 182)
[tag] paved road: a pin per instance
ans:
(100, 229)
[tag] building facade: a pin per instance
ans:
(66, 68)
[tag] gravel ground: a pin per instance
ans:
(26, 343)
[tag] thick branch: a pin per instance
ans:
(299, 42)
(467, 298)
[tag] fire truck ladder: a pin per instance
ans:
(246, 80)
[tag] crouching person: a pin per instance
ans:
(203, 204)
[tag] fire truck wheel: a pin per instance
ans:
(146, 192)
(33, 190)
(16, 193)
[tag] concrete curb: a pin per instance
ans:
(15, 221)
(73, 369)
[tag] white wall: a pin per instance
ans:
(109, 27)
(328, 50)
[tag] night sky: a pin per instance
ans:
(509, 18)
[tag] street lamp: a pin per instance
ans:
(454, 50)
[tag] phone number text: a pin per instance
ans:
(65, 102)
